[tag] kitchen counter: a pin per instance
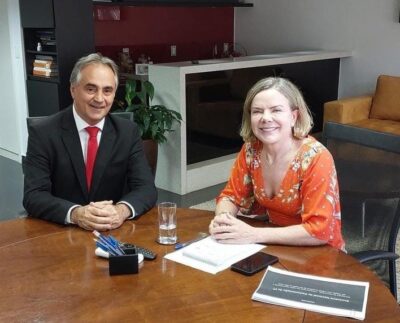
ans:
(220, 64)
(315, 72)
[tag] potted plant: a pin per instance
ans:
(154, 121)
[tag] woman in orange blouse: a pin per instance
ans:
(281, 172)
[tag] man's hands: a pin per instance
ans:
(225, 228)
(100, 216)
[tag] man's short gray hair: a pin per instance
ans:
(95, 58)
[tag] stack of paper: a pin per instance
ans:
(211, 256)
(319, 294)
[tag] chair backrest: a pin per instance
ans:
(368, 168)
(31, 121)
(34, 120)
(123, 114)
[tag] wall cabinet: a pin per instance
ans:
(64, 30)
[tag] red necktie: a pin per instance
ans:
(91, 153)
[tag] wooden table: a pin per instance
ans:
(49, 273)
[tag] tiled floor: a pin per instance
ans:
(11, 192)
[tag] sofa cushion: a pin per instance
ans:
(348, 110)
(389, 126)
(386, 102)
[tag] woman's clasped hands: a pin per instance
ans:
(225, 228)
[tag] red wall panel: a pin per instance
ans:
(151, 31)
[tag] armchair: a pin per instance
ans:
(379, 112)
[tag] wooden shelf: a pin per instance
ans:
(55, 24)
(137, 3)
(43, 78)
(43, 52)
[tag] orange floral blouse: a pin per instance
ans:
(308, 194)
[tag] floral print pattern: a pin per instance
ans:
(308, 194)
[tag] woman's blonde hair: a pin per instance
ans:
(304, 121)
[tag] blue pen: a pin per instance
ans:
(108, 244)
(101, 245)
(115, 243)
(184, 244)
(106, 249)
(112, 251)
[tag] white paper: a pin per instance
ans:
(212, 257)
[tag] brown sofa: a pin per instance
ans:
(380, 112)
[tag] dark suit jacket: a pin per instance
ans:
(54, 168)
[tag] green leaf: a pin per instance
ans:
(177, 116)
(153, 121)
(158, 116)
(154, 130)
(149, 89)
(162, 138)
(142, 96)
(168, 123)
(130, 91)
(146, 121)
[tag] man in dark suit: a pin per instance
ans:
(73, 175)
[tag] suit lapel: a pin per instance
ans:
(104, 154)
(71, 140)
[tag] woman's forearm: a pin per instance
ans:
(291, 235)
(226, 206)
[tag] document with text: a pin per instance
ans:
(314, 293)
(211, 256)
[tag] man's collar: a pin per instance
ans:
(82, 124)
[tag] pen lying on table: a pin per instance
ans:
(201, 236)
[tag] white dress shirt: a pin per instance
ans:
(84, 138)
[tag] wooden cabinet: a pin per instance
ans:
(37, 14)
(64, 30)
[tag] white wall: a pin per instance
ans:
(370, 28)
(13, 111)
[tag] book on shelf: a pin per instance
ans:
(45, 73)
(45, 64)
(314, 293)
(44, 57)
(45, 33)
(46, 69)
(46, 37)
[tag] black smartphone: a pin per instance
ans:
(254, 263)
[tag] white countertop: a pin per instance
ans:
(221, 64)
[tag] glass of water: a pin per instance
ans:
(167, 223)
